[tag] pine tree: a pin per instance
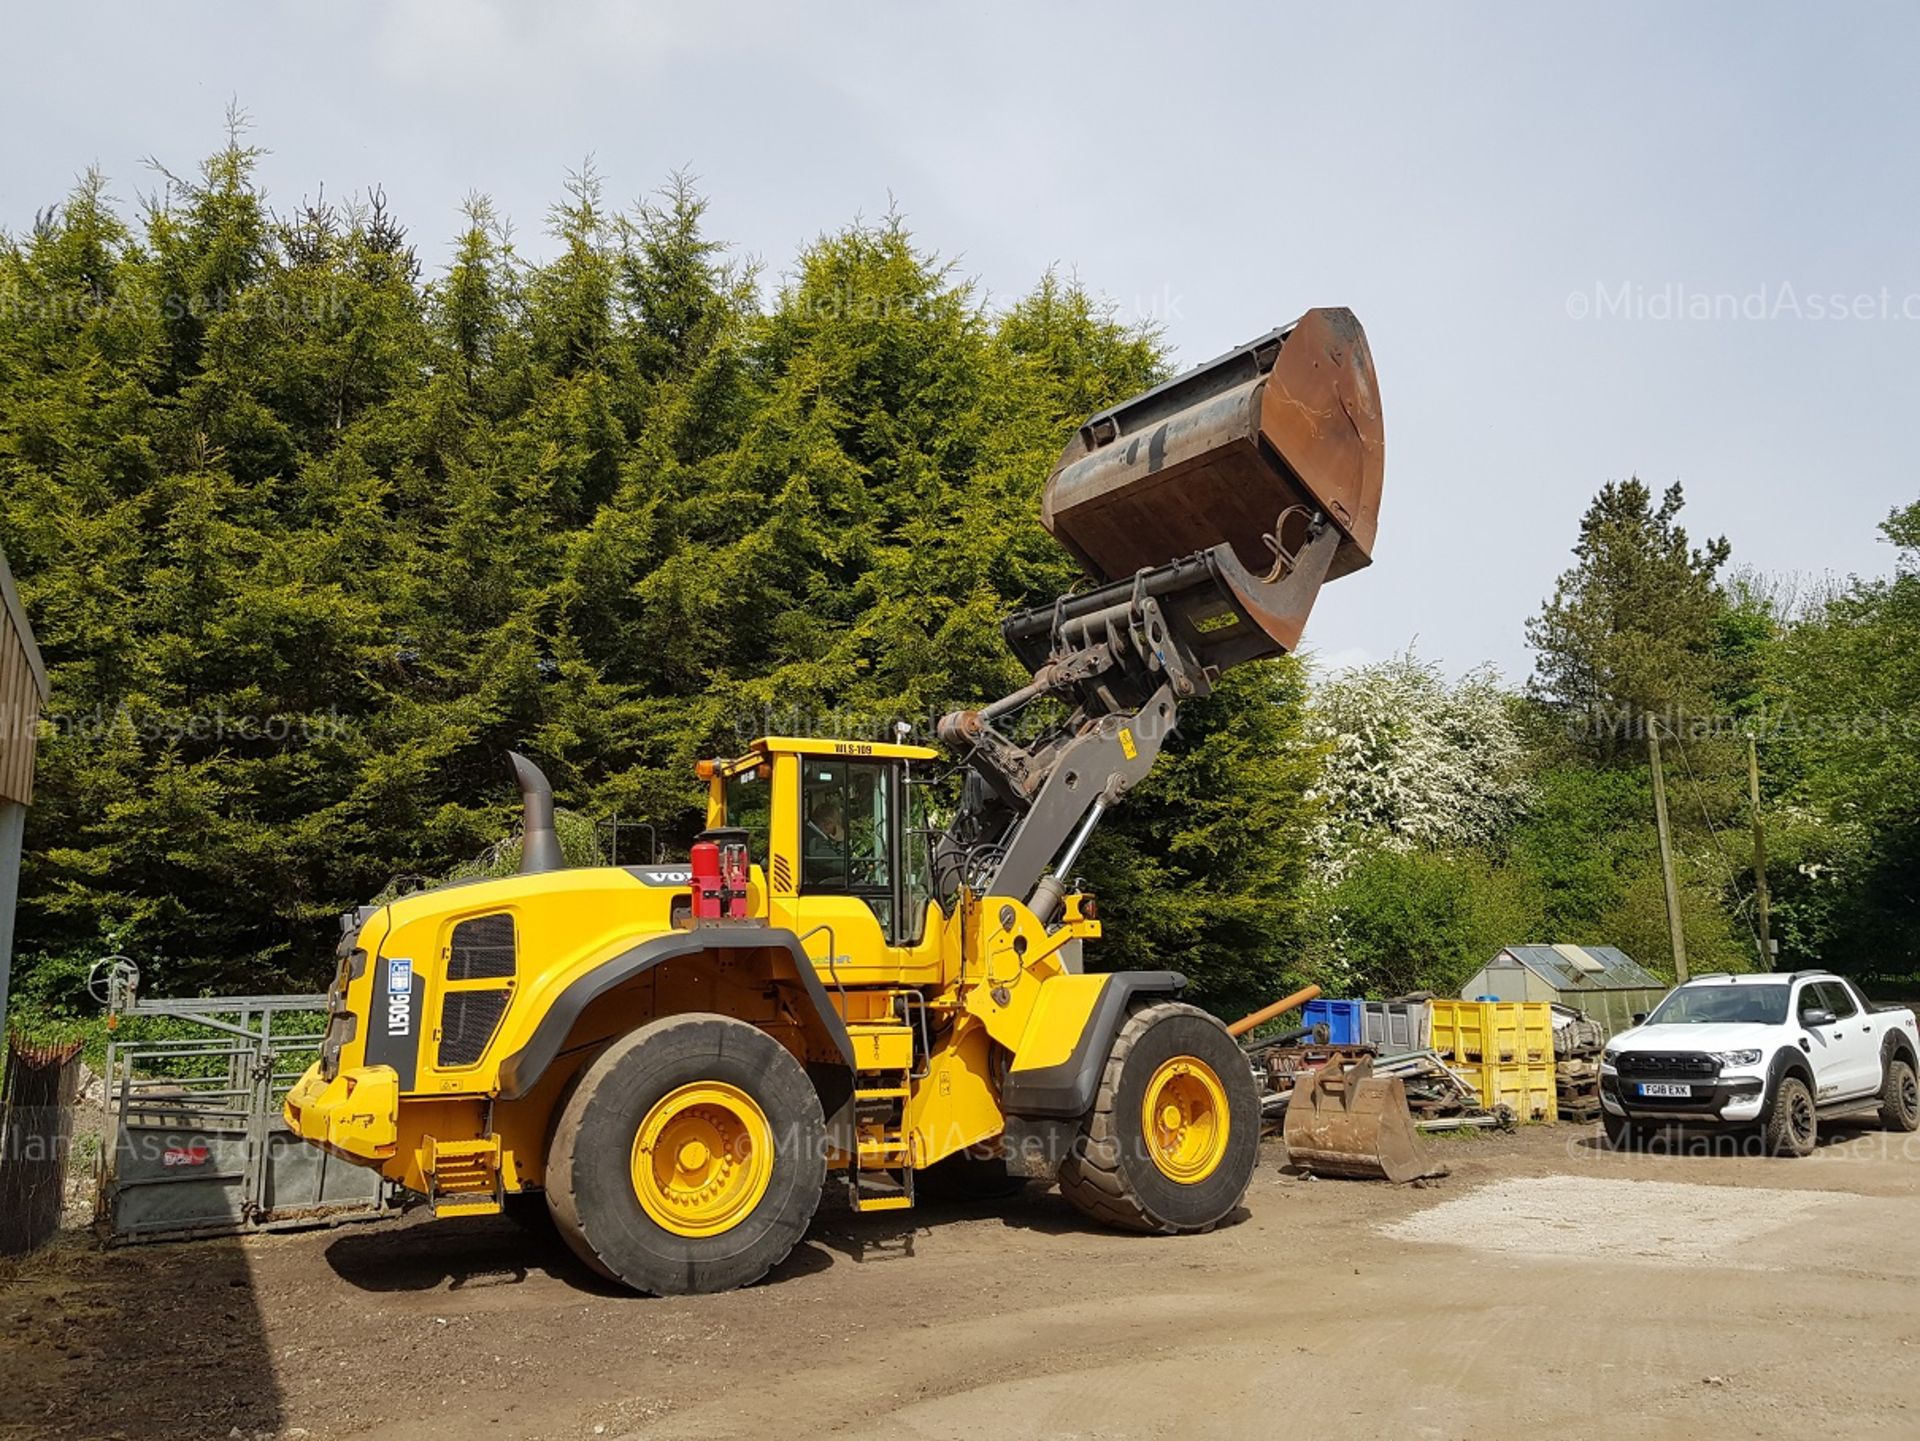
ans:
(311, 537)
(1633, 629)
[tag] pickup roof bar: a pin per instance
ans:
(1806, 975)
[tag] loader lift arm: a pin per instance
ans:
(1271, 458)
(1122, 658)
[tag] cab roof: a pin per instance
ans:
(861, 750)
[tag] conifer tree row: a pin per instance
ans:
(313, 526)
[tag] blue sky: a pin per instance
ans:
(1526, 205)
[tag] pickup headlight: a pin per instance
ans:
(1736, 1059)
(1609, 1059)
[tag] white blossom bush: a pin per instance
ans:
(1413, 761)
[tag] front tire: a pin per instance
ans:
(1622, 1134)
(1792, 1126)
(690, 1157)
(1174, 1133)
(1900, 1097)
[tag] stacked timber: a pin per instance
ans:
(1577, 1043)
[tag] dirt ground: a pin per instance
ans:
(1547, 1287)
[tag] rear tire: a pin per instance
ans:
(1189, 1177)
(705, 1121)
(1792, 1127)
(1900, 1097)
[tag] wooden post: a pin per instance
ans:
(1674, 928)
(1761, 903)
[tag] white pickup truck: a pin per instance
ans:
(1772, 1052)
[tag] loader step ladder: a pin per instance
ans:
(463, 1177)
(880, 1172)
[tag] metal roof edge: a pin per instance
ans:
(1610, 979)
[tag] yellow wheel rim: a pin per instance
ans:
(702, 1159)
(1184, 1118)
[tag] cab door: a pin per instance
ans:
(1850, 1038)
(857, 872)
(1832, 1044)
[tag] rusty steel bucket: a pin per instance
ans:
(1267, 460)
(1346, 1121)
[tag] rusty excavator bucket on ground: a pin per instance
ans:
(1348, 1122)
(1263, 467)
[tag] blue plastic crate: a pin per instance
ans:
(1346, 1021)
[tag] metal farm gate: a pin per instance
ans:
(195, 1144)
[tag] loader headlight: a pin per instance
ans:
(1733, 1060)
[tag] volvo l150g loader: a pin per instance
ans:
(678, 1056)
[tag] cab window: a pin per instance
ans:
(1837, 998)
(916, 861)
(750, 806)
(1814, 996)
(846, 836)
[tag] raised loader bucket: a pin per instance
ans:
(1349, 1122)
(1266, 462)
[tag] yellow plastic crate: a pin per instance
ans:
(1493, 1033)
(1528, 1090)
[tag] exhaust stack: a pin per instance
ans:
(539, 842)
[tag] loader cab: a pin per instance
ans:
(841, 828)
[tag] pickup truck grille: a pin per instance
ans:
(1667, 1066)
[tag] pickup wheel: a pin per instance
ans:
(1622, 1134)
(1793, 1125)
(1900, 1096)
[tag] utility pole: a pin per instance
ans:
(1674, 927)
(1759, 856)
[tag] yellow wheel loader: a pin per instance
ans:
(840, 981)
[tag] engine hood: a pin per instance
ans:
(1698, 1036)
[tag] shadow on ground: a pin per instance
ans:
(483, 1252)
(160, 1341)
(470, 1254)
(1682, 1144)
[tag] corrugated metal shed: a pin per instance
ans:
(1600, 981)
(23, 691)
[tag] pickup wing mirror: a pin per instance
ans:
(1815, 1016)
(1639, 1018)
